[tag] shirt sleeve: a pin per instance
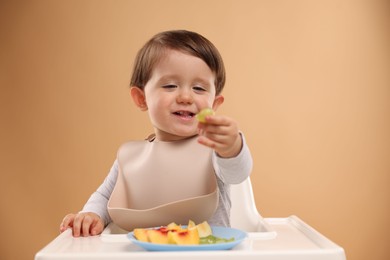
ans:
(234, 170)
(98, 201)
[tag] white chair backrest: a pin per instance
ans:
(244, 214)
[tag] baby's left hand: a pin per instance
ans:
(221, 134)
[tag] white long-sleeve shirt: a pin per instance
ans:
(228, 171)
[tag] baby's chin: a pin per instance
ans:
(184, 136)
(175, 135)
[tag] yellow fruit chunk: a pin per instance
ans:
(141, 234)
(201, 116)
(204, 229)
(173, 226)
(158, 236)
(184, 237)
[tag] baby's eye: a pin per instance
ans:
(198, 88)
(169, 86)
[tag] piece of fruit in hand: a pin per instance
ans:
(201, 116)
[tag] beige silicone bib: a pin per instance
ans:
(163, 182)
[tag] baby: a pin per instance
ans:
(177, 74)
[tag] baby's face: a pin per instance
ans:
(181, 85)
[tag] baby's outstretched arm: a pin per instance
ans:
(221, 134)
(83, 224)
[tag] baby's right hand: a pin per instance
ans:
(85, 224)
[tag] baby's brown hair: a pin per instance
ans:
(181, 40)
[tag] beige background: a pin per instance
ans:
(308, 82)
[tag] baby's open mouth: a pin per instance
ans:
(184, 114)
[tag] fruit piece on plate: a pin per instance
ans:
(191, 224)
(141, 234)
(184, 237)
(174, 227)
(158, 236)
(201, 116)
(204, 229)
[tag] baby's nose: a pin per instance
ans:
(184, 96)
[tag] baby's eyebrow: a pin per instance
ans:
(168, 78)
(202, 82)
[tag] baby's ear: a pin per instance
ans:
(139, 99)
(217, 102)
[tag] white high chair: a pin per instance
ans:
(269, 239)
(244, 214)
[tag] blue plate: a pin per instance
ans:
(222, 232)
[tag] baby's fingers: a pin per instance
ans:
(78, 221)
(97, 227)
(86, 225)
(218, 120)
(67, 222)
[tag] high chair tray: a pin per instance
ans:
(289, 239)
